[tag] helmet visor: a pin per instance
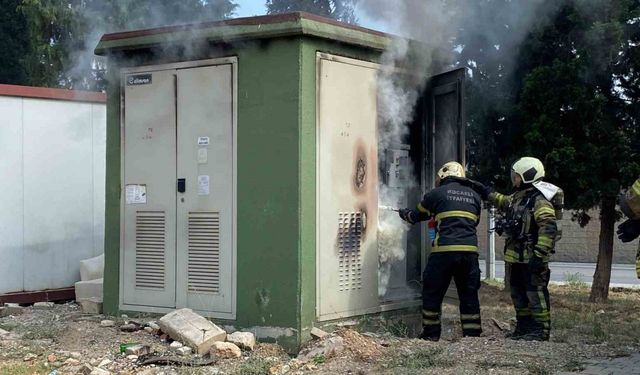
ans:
(514, 176)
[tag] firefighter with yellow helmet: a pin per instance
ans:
(531, 229)
(456, 209)
(630, 229)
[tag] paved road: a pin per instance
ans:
(621, 274)
(617, 366)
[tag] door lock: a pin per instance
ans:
(182, 185)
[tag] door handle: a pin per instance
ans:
(182, 185)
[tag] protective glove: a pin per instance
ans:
(482, 189)
(407, 215)
(536, 264)
(629, 230)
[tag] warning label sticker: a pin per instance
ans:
(136, 194)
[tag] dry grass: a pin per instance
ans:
(580, 331)
(22, 368)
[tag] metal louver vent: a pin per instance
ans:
(204, 252)
(349, 259)
(150, 249)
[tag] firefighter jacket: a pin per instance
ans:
(530, 224)
(456, 209)
(630, 205)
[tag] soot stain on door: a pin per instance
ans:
(360, 168)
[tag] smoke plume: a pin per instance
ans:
(433, 36)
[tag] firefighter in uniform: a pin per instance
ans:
(530, 227)
(630, 229)
(456, 209)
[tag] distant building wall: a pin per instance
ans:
(52, 182)
(577, 244)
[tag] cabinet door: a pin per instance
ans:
(149, 191)
(205, 216)
(347, 188)
(446, 119)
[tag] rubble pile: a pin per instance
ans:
(179, 339)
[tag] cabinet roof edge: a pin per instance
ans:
(243, 29)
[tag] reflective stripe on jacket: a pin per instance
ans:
(456, 209)
(539, 223)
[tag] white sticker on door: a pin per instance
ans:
(202, 156)
(136, 194)
(203, 141)
(203, 185)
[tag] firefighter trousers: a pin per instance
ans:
(441, 268)
(530, 296)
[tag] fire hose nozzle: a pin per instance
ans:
(388, 208)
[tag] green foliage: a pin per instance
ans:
(13, 42)
(62, 34)
(24, 369)
(341, 10)
(396, 327)
(574, 112)
(574, 280)
(571, 98)
(254, 366)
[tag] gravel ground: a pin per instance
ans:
(64, 339)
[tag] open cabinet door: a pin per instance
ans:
(445, 133)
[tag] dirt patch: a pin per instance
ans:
(63, 338)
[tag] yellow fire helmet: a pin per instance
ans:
(529, 169)
(452, 168)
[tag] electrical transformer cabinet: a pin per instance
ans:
(246, 174)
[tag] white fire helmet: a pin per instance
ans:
(529, 169)
(452, 168)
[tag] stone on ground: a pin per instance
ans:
(99, 371)
(89, 289)
(43, 305)
(175, 345)
(85, 369)
(185, 350)
(130, 327)
(326, 348)
(104, 363)
(12, 309)
(137, 350)
(107, 323)
(244, 340)
(317, 333)
(225, 350)
(75, 355)
(191, 329)
(153, 328)
(91, 305)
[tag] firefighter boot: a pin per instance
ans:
(429, 336)
(524, 326)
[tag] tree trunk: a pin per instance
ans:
(602, 276)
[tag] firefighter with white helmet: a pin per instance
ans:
(530, 225)
(630, 229)
(454, 253)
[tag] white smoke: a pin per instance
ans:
(429, 40)
(98, 19)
